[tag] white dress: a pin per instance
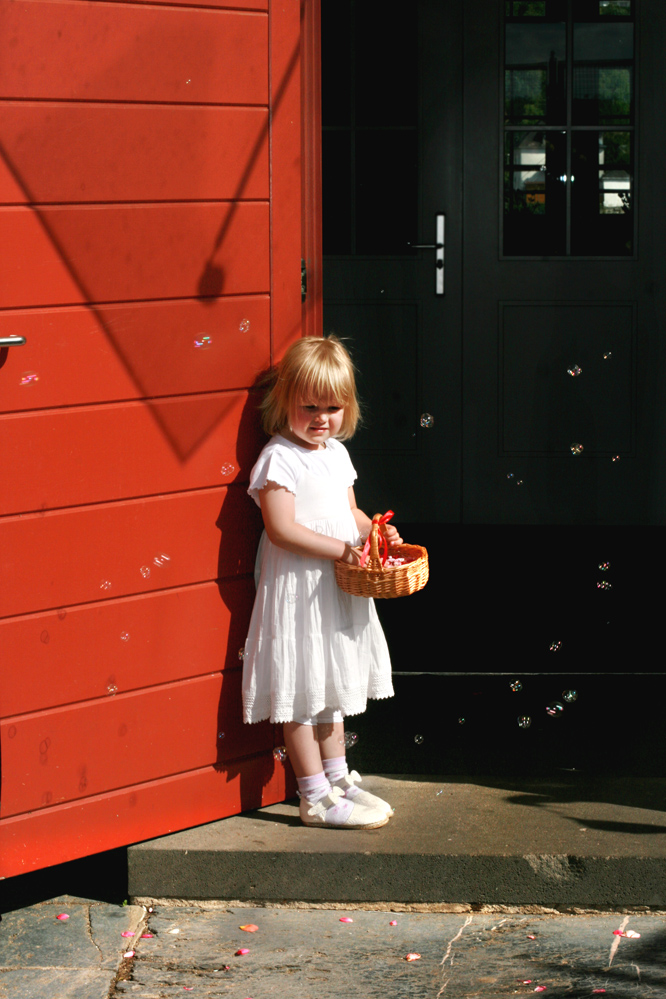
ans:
(310, 645)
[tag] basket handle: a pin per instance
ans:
(371, 548)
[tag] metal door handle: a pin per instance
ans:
(12, 341)
(440, 249)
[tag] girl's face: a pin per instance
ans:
(313, 422)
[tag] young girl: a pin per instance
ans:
(313, 654)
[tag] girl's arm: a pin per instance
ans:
(364, 523)
(278, 510)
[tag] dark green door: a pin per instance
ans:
(514, 423)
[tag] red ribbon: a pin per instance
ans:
(381, 541)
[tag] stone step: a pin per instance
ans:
(570, 842)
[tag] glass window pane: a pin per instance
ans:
(615, 8)
(535, 74)
(603, 74)
(602, 222)
(386, 191)
(526, 9)
(535, 194)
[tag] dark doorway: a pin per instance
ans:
(514, 422)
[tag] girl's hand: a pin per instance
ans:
(391, 534)
(352, 556)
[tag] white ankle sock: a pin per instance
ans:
(313, 788)
(336, 768)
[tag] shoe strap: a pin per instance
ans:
(320, 808)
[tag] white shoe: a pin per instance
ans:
(362, 797)
(334, 811)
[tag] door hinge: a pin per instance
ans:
(304, 280)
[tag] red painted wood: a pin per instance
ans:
(112, 352)
(285, 87)
(104, 744)
(163, 446)
(311, 180)
(75, 653)
(133, 280)
(77, 829)
(63, 153)
(66, 557)
(95, 51)
(124, 253)
(232, 4)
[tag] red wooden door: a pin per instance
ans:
(150, 225)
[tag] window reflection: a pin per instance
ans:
(603, 70)
(615, 8)
(535, 90)
(569, 157)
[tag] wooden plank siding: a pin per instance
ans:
(151, 231)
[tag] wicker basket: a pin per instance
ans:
(377, 580)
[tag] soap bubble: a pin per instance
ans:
(351, 738)
(145, 571)
(124, 636)
(604, 585)
(461, 721)
(555, 646)
(608, 355)
(519, 482)
(516, 686)
(604, 566)
(569, 696)
(244, 325)
(577, 449)
(418, 739)
(161, 559)
(524, 721)
(241, 652)
(29, 377)
(203, 341)
(111, 689)
(616, 457)
(554, 709)
(105, 584)
(220, 735)
(45, 638)
(228, 469)
(291, 598)
(510, 475)
(280, 753)
(427, 420)
(575, 371)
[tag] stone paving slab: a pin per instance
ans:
(553, 842)
(311, 954)
(35, 947)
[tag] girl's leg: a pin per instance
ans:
(331, 737)
(303, 748)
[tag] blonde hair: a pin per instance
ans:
(314, 369)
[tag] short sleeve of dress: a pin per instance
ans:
(274, 464)
(347, 469)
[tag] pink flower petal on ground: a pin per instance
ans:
(525, 981)
(63, 916)
(540, 988)
(346, 919)
(127, 933)
(241, 951)
(394, 922)
(530, 936)
(412, 957)
(249, 928)
(619, 933)
(128, 953)
(632, 934)
(147, 936)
